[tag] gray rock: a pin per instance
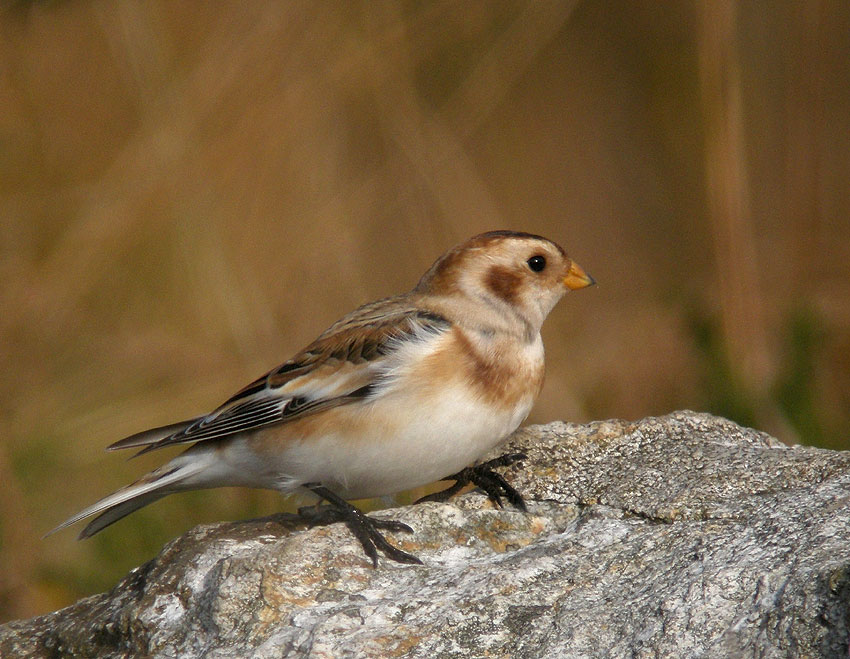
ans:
(684, 535)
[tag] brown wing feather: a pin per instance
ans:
(284, 393)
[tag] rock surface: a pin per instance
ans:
(684, 535)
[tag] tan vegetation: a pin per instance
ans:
(189, 192)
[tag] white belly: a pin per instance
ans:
(384, 452)
(431, 445)
(413, 432)
(398, 453)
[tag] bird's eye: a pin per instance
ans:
(537, 263)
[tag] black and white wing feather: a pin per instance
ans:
(341, 366)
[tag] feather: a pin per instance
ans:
(341, 366)
(148, 489)
(149, 436)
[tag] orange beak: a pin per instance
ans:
(577, 277)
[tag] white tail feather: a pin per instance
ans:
(149, 488)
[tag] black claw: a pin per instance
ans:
(315, 516)
(362, 527)
(496, 485)
(390, 525)
(483, 476)
(504, 460)
(449, 492)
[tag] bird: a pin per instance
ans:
(402, 392)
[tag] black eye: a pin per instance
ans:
(537, 263)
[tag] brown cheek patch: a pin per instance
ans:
(503, 283)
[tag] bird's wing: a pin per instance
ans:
(341, 366)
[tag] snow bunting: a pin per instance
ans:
(400, 393)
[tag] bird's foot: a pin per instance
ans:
(483, 476)
(363, 527)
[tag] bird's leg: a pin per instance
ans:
(483, 476)
(364, 528)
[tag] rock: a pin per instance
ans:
(684, 535)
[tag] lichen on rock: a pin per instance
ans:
(683, 535)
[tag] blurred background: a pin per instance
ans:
(190, 192)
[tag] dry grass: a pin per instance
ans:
(190, 192)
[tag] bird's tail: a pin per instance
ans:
(174, 476)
